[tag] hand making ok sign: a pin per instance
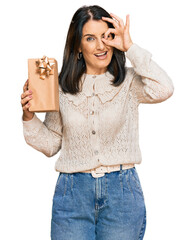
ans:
(122, 39)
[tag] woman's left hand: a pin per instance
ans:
(122, 39)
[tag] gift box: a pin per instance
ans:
(43, 81)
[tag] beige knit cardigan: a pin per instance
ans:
(99, 125)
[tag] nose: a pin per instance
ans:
(100, 45)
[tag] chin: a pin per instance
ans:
(101, 66)
(103, 63)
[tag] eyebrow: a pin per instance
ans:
(91, 35)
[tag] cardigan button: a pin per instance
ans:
(91, 112)
(96, 152)
(93, 132)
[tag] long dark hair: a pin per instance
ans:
(72, 68)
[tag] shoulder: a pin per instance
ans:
(60, 88)
(130, 73)
(61, 92)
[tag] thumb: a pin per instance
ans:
(108, 42)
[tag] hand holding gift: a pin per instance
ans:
(25, 97)
(43, 81)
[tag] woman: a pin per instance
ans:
(98, 194)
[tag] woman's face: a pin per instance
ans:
(92, 44)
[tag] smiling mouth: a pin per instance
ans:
(102, 54)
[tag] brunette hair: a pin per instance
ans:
(72, 68)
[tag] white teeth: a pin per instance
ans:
(100, 54)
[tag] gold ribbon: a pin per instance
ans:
(45, 67)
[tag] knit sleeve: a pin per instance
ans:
(150, 82)
(45, 136)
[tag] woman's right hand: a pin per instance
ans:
(25, 97)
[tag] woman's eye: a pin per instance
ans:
(88, 39)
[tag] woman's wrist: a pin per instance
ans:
(128, 46)
(25, 118)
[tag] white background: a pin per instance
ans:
(30, 29)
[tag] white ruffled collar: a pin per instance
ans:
(102, 83)
(102, 88)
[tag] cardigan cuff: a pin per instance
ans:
(32, 125)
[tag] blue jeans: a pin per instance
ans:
(110, 207)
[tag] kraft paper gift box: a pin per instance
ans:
(43, 81)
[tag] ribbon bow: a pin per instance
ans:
(45, 67)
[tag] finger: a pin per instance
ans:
(115, 24)
(110, 30)
(26, 83)
(26, 94)
(26, 106)
(118, 19)
(127, 22)
(25, 87)
(108, 42)
(26, 99)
